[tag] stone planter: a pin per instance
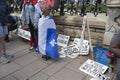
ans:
(113, 2)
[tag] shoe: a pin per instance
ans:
(45, 57)
(4, 60)
(32, 49)
(7, 40)
(8, 55)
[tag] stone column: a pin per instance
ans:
(111, 26)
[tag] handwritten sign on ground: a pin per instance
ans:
(63, 40)
(71, 51)
(93, 68)
(84, 47)
(24, 34)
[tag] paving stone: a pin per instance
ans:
(9, 78)
(53, 68)
(51, 61)
(40, 76)
(66, 74)
(15, 50)
(88, 77)
(74, 65)
(26, 59)
(20, 53)
(8, 69)
(29, 70)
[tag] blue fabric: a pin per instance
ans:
(4, 11)
(100, 55)
(2, 2)
(51, 43)
(3, 14)
(47, 37)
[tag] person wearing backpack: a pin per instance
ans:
(4, 11)
(115, 47)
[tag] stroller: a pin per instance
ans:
(12, 25)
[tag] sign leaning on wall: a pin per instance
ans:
(111, 26)
(63, 40)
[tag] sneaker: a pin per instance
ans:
(8, 55)
(45, 57)
(32, 49)
(4, 60)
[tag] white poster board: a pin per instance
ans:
(24, 34)
(111, 26)
(84, 48)
(93, 68)
(63, 40)
(71, 51)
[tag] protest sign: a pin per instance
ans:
(71, 51)
(84, 47)
(93, 68)
(63, 40)
(24, 34)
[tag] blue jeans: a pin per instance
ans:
(118, 69)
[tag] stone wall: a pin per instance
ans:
(71, 25)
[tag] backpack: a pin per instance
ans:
(13, 22)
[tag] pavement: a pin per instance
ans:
(28, 65)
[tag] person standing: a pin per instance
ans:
(27, 18)
(47, 36)
(4, 11)
(115, 47)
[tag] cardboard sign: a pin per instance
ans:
(84, 47)
(53, 4)
(24, 34)
(93, 68)
(77, 41)
(71, 51)
(63, 40)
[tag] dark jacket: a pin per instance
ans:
(4, 11)
(115, 44)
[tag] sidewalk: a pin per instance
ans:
(29, 66)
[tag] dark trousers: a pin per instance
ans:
(33, 33)
(118, 69)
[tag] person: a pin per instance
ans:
(4, 11)
(115, 47)
(37, 16)
(12, 25)
(27, 18)
(62, 2)
(47, 36)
